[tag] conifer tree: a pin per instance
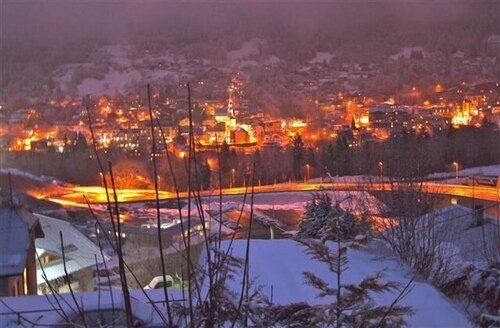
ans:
(321, 219)
(298, 156)
(349, 305)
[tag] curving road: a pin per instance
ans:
(73, 196)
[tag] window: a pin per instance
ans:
(25, 281)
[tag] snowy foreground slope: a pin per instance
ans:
(277, 266)
(280, 263)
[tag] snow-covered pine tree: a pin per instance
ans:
(321, 217)
(350, 305)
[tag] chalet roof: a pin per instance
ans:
(80, 251)
(241, 130)
(16, 226)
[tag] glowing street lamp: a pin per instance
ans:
(210, 164)
(159, 180)
(455, 164)
(233, 170)
(381, 166)
(307, 167)
(102, 179)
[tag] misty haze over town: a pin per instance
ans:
(249, 163)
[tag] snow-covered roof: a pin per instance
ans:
(39, 311)
(14, 244)
(80, 251)
(15, 226)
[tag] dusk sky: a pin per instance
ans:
(56, 21)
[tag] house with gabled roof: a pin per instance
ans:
(80, 253)
(19, 229)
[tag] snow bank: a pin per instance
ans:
(491, 170)
(278, 265)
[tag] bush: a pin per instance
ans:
(479, 285)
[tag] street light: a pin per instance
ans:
(102, 179)
(381, 165)
(455, 164)
(210, 165)
(233, 170)
(159, 180)
(307, 166)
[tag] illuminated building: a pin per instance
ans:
(227, 130)
(389, 117)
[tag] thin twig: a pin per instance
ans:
(127, 267)
(68, 280)
(104, 262)
(102, 172)
(123, 276)
(99, 283)
(188, 250)
(402, 294)
(53, 291)
(157, 201)
(244, 287)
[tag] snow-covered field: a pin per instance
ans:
(294, 200)
(322, 58)
(112, 83)
(279, 264)
(248, 49)
(118, 69)
(407, 51)
(265, 206)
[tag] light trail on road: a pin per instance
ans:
(73, 196)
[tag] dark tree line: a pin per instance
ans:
(405, 153)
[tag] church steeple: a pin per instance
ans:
(230, 109)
